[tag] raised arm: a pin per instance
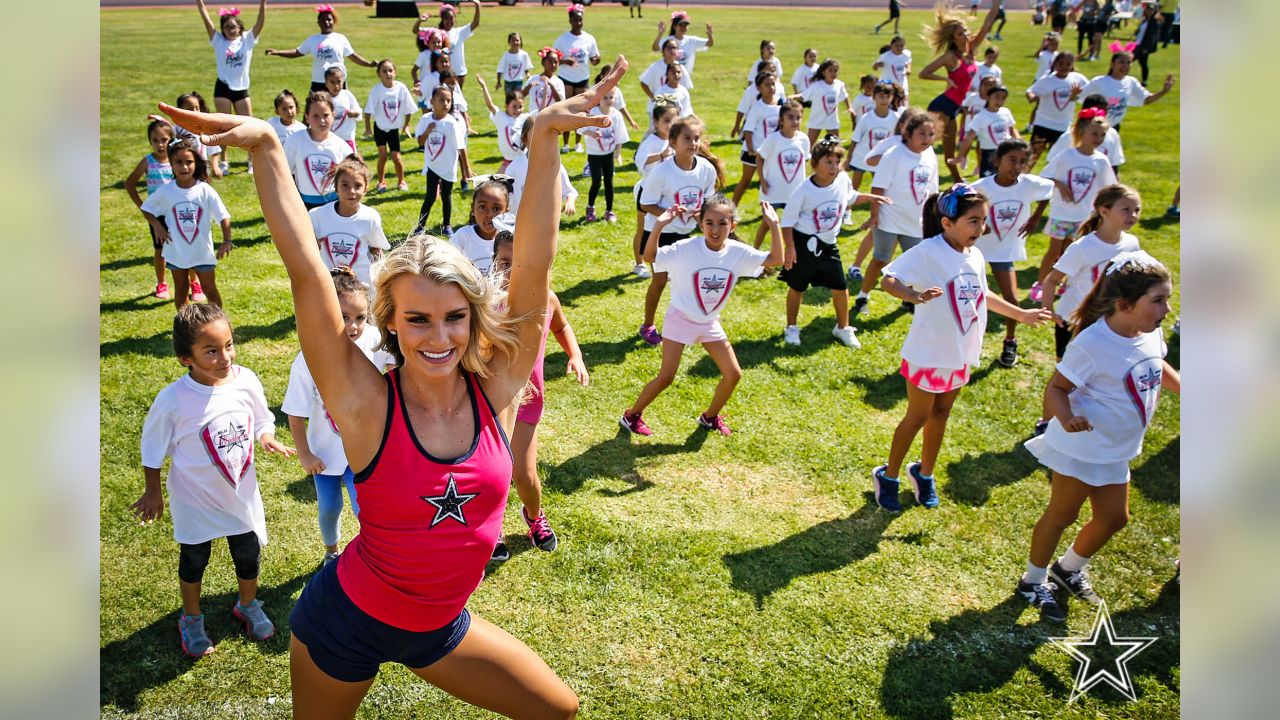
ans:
(657, 40)
(262, 19)
(484, 92)
(204, 15)
(475, 19)
(710, 40)
(976, 41)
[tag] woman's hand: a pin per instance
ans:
(241, 131)
(578, 370)
(570, 114)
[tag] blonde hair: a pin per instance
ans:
(437, 260)
(1082, 124)
(1107, 198)
(942, 37)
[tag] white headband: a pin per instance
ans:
(1136, 258)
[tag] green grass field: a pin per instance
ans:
(697, 576)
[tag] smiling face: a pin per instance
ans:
(232, 28)
(516, 106)
(287, 110)
(716, 224)
(1064, 64)
(488, 203)
(575, 22)
(326, 20)
(549, 64)
(514, 43)
(1120, 66)
(212, 354)
(1122, 215)
(1010, 166)
(768, 51)
(965, 230)
(921, 138)
(432, 323)
(446, 19)
(1094, 134)
(355, 313)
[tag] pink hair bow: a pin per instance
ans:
(679, 15)
(576, 8)
(549, 51)
(228, 11)
(429, 33)
(324, 9)
(1118, 46)
(1092, 113)
(446, 8)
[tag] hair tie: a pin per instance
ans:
(575, 8)
(325, 9)
(544, 52)
(1139, 259)
(948, 202)
(1091, 113)
(228, 11)
(504, 180)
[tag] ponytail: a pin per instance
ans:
(1126, 279)
(1107, 198)
(954, 203)
(704, 151)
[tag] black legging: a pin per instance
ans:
(445, 187)
(601, 170)
(1141, 57)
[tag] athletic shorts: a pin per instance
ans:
(677, 327)
(155, 242)
(884, 242)
(573, 88)
(348, 645)
(1039, 132)
(1062, 228)
(388, 138)
(818, 266)
(1001, 265)
(748, 159)
(1089, 473)
(220, 90)
(197, 268)
(664, 239)
(945, 106)
(1061, 338)
(509, 85)
(935, 380)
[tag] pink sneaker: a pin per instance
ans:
(650, 334)
(540, 532)
(162, 290)
(634, 424)
(716, 423)
(1035, 294)
(197, 292)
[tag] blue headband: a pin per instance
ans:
(948, 200)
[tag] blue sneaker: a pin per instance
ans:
(886, 490)
(925, 488)
(195, 641)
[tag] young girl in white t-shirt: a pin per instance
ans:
(1059, 89)
(211, 153)
(232, 52)
(327, 48)
(507, 121)
(181, 215)
(489, 203)
(312, 154)
(706, 268)
(458, 109)
(514, 65)
(207, 421)
(805, 74)
(437, 134)
(1078, 173)
(390, 106)
(652, 150)
(989, 127)
(760, 123)
(547, 87)
(895, 63)
(604, 146)
(1102, 398)
(945, 278)
(784, 155)
(317, 438)
(768, 59)
(285, 122)
(826, 93)
(155, 169)
(349, 232)
(1011, 194)
(346, 109)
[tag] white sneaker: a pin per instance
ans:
(641, 271)
(578, 148)
(846, 337)
(791, 335)
(226, 167)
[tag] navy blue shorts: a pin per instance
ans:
(197, 268)
(349, 645)
(1001, 265)
(945, 106)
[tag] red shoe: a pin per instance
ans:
(716, 423)
(634, 424)
(162, 290)
(197, 292)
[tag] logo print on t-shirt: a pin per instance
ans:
(899, 70)
(712, 286)
(689, 196)
(186, 220)
(1004, 215)
(509, 132)
(1062, 97)
(826, 216)
(228, 441)
(878, 134)
(341, 249)
(326, 53)
(920, 176)
(391, 108)
(789, 163)
(998, 132)
(605, 139)
(964, 294)
(449, 505)
(318, 166)
(1116, 108)
(1142, 382)
(1081, 180)
(828, 102)
(514, 68)
(332, 425)
(435, 144)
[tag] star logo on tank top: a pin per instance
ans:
(790, 162)
(186, 220)
(449, 505)
(1142, 383)
(1004, 215)
(318, 166)
(965, 296)
(1081, 180)
(712, 286)
(226, 439)
(341, 249)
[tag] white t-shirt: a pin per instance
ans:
(973, 104)
(519, 171)
(310, 161)
(512, 66)
(1111, 147)
(1087, 174)
(1117, 383)
(885, 145)
(302, 400)
(1057, 108)
(690, 46)
(870, 131)
(862, 104)
(209, 431)
(1083, 262)
(1120, 94)
(1008, 209)
(189, 215)
(389, 106)
(700, 278)
(348, 240)
(1044, 63)
(478, 250)
(654, 77)
(817, 211)
(946, 332)
(803, 77)
(992, 128)
(651, 145)
(985, 70)
(603, 141)
(894, 68)
(508, 132)
(327, 51)
(908, 179)
(782, 164)
(758, 65)
(761, 122)
(346, 115)
(423, 63)
(668, 184)
(750, 94)
(284, 131)
(457, 47)
(826, 98)
(233, 58)
(684, 103)
(544, 91)
(441, 148)
(580, 49)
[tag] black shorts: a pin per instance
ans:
(1039, 132)
(986, 162)
(821, 268)
(1059, 22)
(945, 106)
(155, 243)
(573, 88)
(220, 90)
(748, 158)
(664, 239)
(389, 138)
(1061, 336)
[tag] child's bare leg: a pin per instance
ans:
(656, 285)
(872, 275)
(919, 408)
(158, 264)
(524, 445)
(395, 160)
(934, 430)
(1067, 494)
(840, 299)
(748, 171)
(181, 288)
(794, 297)
(730, 373)
(209, 283)
(671, 351)
(382, 164)
(190, 597)
(1110, 505)
(864, 248)
(248, 590)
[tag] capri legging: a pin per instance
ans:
(245, 552)
(601, 171)
(445, 187)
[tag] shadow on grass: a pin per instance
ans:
(123, 263)
(814, 337)
(146, 301)
(979, 651)
(615, 458)
(599, 352)
(517, 543)
(971, 478)
(161, 344)
(1157, 477)
(591, 287)
(151, 657)
(823, 548)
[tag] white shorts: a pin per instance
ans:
(1089, 473)
(677, 327)
(833, 125)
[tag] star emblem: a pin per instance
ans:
(1103, 641)
(449, 505)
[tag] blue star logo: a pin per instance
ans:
(449, 505)
(1103, 640)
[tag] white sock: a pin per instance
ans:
(1071, 561)
(1035, 575)
(863, 295)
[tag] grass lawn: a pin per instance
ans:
(697, 576)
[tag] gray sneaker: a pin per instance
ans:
(329, 557)
(195, 641)
(255, 621)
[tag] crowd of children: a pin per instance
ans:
(1104, 297)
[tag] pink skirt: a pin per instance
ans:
(935, 380)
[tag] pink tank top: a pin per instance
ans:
(962, 76)
(427, 525)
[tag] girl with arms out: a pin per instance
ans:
(458, 36)
(689, 45)
(327, 48)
